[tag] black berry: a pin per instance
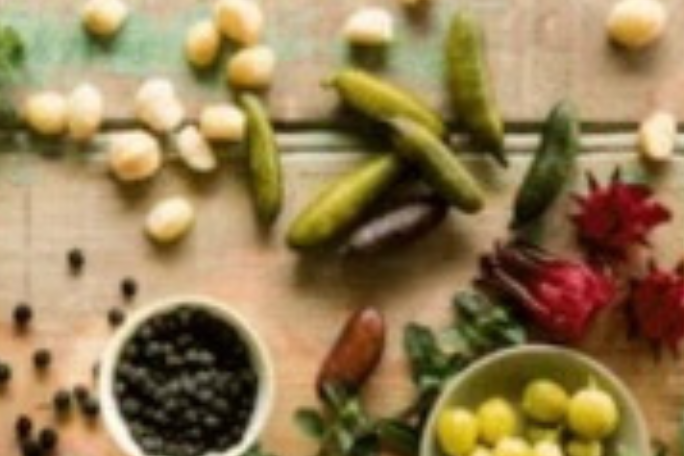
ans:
(48, 439)
(81, 394)
(22, 314)
(91, 407)
(76, 260)
(129, 288)
(115, 317)
(23, 427)
(31, 448)
(61, 401)
(5, 374)
(42, 359)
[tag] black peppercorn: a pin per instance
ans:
(48, 439)
(115, 317)
(23, 427)
(81, 394)
(42, 358)
(31, 448)
(61, 402)
(129, 288)
(22, 315)
(76, 260)
(5, 373)
(91, 407)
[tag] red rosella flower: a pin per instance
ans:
(613, 218)
(561, 296)
(656, 306)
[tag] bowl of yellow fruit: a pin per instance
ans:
(535, 400)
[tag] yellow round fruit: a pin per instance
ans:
(584, 448)
(592, 414)
(545, 401)
(457, 431)
(496, 419)
(535, 433)
(512, 446)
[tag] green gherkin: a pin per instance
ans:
(470, 83)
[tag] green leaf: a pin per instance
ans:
(311, 422)
(11, 50)
(398, 437)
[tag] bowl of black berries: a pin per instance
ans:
(186, 377)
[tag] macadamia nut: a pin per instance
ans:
(239, 20)
(195, 151)
(134, 156)
(369, 26)
(635, 24)
(104, 18)
(222, 122)
(85, 107)
(46, 113)
(251, 68)
(170, 219)
(202, 44)
(158, 107)
(658, 136)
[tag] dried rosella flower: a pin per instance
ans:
(561, 296)
(613, 218)
(656, 306)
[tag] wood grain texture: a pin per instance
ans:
(540, 51)
(51, 205)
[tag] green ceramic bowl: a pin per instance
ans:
(506, 373)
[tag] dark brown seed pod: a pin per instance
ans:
(399, 225)
(356, 352)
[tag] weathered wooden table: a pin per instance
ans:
(61, 197)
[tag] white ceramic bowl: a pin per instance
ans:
(505, 373)
(111, 413)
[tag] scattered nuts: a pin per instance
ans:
(202, 44)
(222, 122)
(239, 20)
(370, 26)
(169, 220)
(85, 110)
(658, 136)
(157, 105)
(195, 151)
(104, 18)
(635, 24)
(46, 113)
(251, 68)
(135, 156)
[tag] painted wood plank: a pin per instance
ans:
(297, 304)
(540, 52)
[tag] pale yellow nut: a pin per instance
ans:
(134, 156)
(369, 26)
(658, 136)
(170, 219)
(239, 20)
(85, 107)
(251, 68)
(222, 122)
(202, 44)
(46, 113)
(195, 151)
(157, 106)
(636, 24)
(104, 18)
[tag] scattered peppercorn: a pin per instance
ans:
(115, 317)
(129, 288)
(48, 439)
(23, 427)
(22, 314)
(76, 260)
(91, 407)
(81, 394)
(42, 358)
(31, 448)
(5, 373)
(61, 402)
